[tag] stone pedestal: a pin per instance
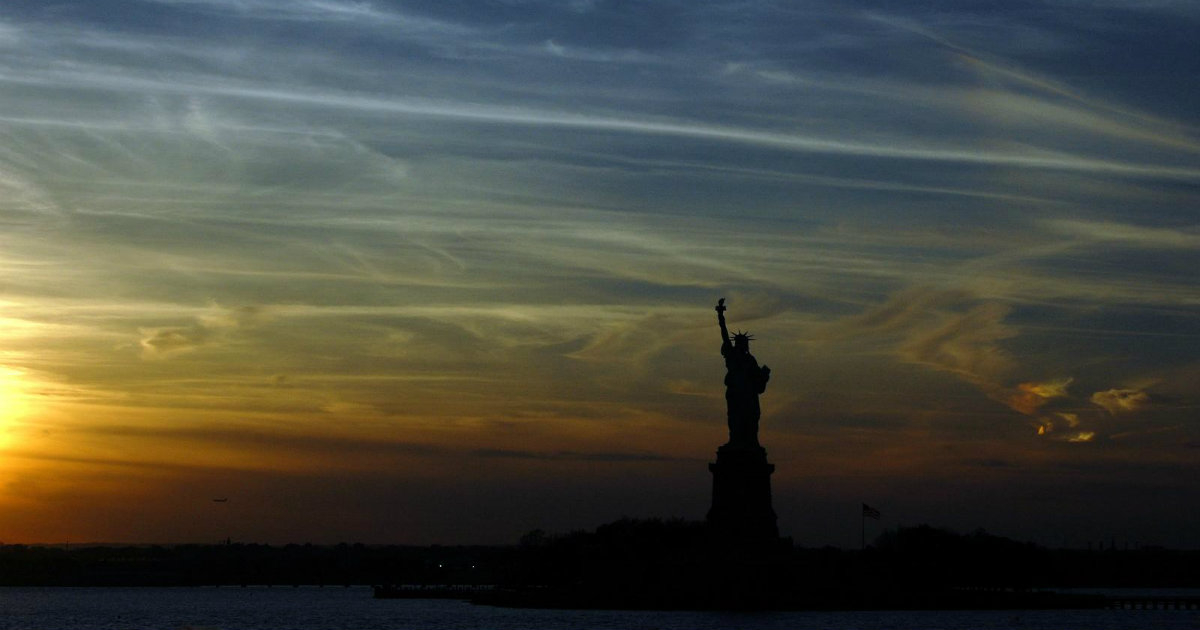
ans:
(741, 509)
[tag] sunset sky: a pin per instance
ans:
(418, 271)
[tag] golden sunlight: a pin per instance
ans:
(14, 403)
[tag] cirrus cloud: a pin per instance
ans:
(207, 328)
(1116, 401)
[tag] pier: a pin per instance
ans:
(431, 591)
(1152, 602)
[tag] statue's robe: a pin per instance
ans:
(744, 381)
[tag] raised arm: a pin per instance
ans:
(721, 321)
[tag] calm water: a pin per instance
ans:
(354, 609)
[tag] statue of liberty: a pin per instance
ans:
(744, 381)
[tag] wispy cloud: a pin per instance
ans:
(919, 150)
(352, 12)
(948, 330)
(1029, 397)
(206, 329)
(1117, 401)
(1111, 232)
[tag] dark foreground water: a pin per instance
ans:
(309, 608)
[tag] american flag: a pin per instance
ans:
(870, 512)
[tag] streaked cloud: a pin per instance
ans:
(1117, 401)
(1028, 397)
(206, 329)
(1187, 237)
(948, 330)
(352, 12)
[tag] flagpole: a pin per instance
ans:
(867, 512)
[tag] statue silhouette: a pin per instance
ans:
(744, 381)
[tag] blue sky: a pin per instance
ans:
(445, 270)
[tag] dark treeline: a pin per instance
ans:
(933, 555)
(678, 564)
(640, 549)
(627, 556)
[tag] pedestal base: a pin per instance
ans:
(741, 500)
